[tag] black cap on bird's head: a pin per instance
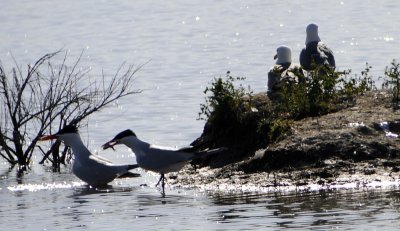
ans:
(68, 129)
(127, 132)
(117, 138)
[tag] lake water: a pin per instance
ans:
(188, 44)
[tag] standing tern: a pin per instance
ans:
(156, 158)
(92, 169)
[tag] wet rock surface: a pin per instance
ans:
(357, 146)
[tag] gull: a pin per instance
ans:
(157, 158)
(315, 51)
(90, 168)
(283, 71)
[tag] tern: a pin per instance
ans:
(90, 168)
(157, 158)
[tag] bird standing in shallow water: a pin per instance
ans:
(156, 158)
(316, 52)
(92, 169)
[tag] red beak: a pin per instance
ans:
(48, 137)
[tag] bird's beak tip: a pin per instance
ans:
(109, 144)
(47, 137)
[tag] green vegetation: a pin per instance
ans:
(228, 108)
(393, 82)
(237, 118)
(226, 101)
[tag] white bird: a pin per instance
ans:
(284, 71)
(92, 169)
(315, 51)
(156, 158)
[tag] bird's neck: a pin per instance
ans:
(78, 147)
(138, 147)
(312, 38)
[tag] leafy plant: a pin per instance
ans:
(224, 100)
(393, 81)
(366, 82)
(311, 97)
(322, 91)
(349, 87)
(279, 128)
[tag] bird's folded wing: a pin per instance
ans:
(100, 159)
(186, 149)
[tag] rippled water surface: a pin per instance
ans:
(188, 43)
(62, 203)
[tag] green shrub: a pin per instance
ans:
(322, 91)
(349, 86)
(278, 129)
(393, 81)
(233, 118)
(313, 96)
(224, 100)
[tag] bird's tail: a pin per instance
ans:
(208, 152)
(132, 166)
(129, 174)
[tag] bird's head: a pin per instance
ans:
(120, 138)
(283, 55)
(66, 133)
(312, 33)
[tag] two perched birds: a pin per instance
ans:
(97, 171)
(316, 53)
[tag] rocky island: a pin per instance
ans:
(354, 146)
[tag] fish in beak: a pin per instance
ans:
(109, 144)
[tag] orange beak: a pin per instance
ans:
(48, 137)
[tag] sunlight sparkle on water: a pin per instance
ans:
(39, 187)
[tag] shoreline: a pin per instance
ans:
(358, 146)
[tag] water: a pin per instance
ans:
(188, 44)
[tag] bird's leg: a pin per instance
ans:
(162, 185)
(161, 179)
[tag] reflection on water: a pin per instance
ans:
(357, 209)
(126, 205)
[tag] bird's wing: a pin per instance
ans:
(158, 147)
(328, 53)
(170, 155)
(305, 59)
(186, 149)
(100, 159)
